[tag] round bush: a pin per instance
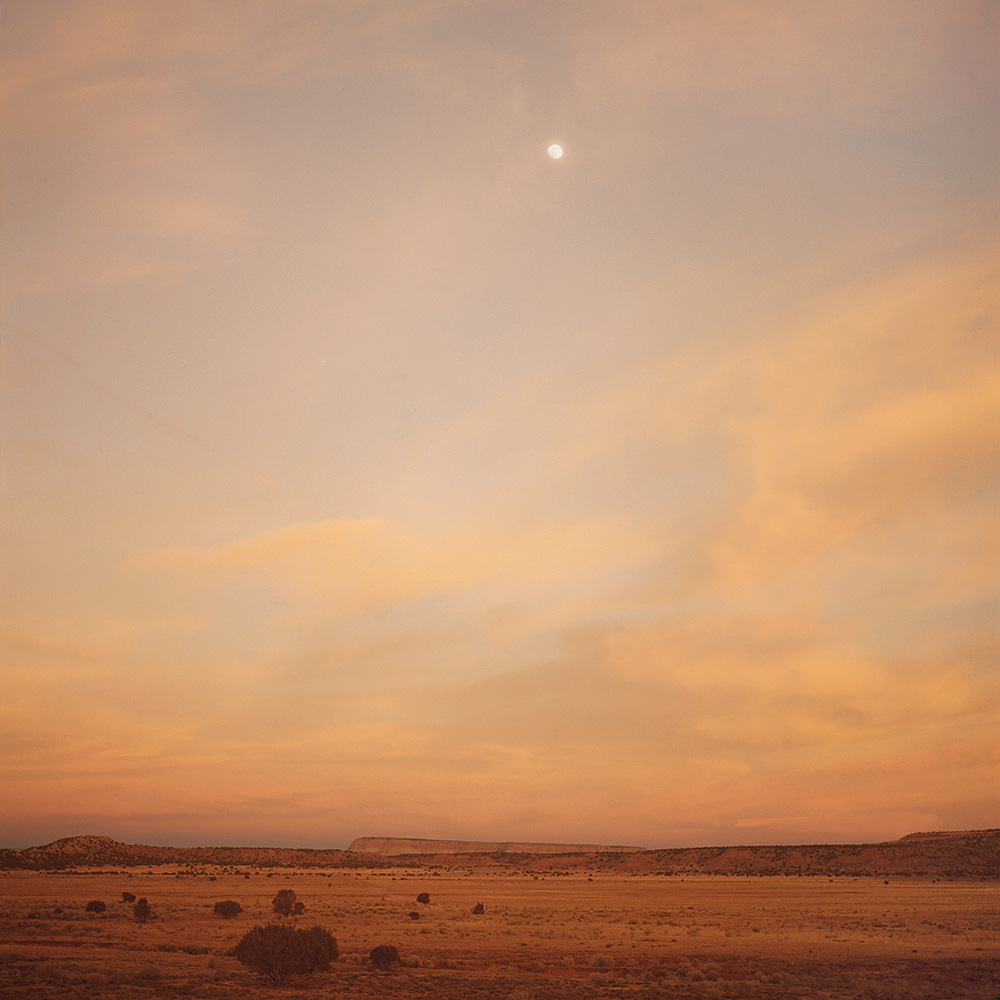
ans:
(424, 897)
(282, 954)
(227, 908)
(284, 902)
(384, 956)
(95, 906)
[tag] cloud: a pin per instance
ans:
(864, 415)
(876, 411)
(782, 682)
(116, 177)
(372, 563)
(121, 171)
(727, 717)
(736, 719)
(852, 61)
(255, 45)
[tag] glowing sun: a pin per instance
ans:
(555, 151)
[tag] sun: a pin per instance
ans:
(555, 151)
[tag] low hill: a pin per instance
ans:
(91, 851)
(967, 854)
(957, 855)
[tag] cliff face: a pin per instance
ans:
(393, 846)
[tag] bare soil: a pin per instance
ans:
(576, 935)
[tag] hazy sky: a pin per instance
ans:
(366, 471)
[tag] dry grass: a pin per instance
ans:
(574, 936)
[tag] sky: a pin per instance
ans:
(368, 472)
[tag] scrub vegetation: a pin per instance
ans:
(282, 954)
(548, 928)
(384, 956)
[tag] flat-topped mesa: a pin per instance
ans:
(393, 846)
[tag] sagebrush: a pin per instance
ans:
(284, 902)
(384, 956)
(281, 954)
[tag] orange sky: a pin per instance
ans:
(368, 472)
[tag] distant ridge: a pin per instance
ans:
(966, 854)
(394, 846)
(94, 851)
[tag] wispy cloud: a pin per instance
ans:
(367, 564)
(854, 61)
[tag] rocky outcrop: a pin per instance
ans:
(395, 846)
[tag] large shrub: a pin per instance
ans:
(284, 902)
(96, 906)
(227, 908)
(384, 956)
(282, 954)
(141, 910)
(424, 897)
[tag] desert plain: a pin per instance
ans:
(561, 932)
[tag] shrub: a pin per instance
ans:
(227, 908)
(147, 974)
(96, 906)
(281, 954)
(413, 915)
(284, 902)
(298, 908)
(384, 956)
(479, 908)
(128, 897)
(424, 897)
(141, 910)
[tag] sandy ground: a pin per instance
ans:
(582, 935)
